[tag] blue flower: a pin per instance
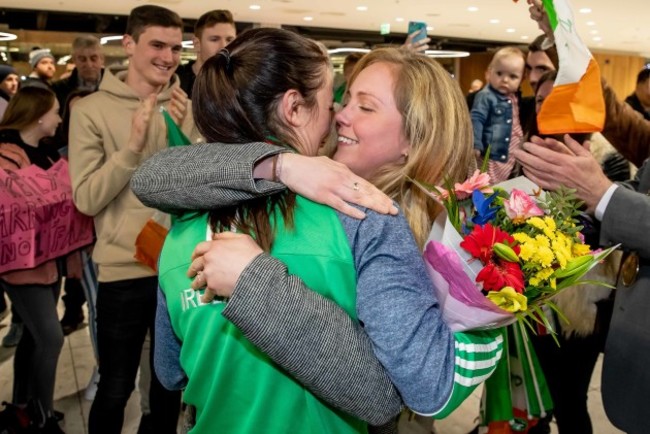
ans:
(485, 212)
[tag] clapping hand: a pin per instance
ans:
(177, 107)
(140, 124)
(551, 164)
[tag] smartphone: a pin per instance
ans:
(415, 26)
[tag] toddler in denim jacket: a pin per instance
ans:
(495, 113)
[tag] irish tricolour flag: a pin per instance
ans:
(576, 104)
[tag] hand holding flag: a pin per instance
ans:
(576, 104)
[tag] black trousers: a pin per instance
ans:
(125, 312)
(568, 369)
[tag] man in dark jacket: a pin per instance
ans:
(89, 63)
(43, 68)
(623, 210)
(212, 32)
(639, 100)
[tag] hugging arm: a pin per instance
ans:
(313, 339)
(203, 176)
(215, 175)
(309, 336)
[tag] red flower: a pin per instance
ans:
(497, 275)
(480, 241)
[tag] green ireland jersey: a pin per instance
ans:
(235, 387)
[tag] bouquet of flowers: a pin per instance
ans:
(500, 253)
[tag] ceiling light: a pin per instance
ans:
(399, 19)
(585, 10)
(593, 32)
(597, 38)
(308, 18)
(4, 36)
(362, 8)
(348, 50)
(591, 23)
(429, 28)
(106, 39)
(494, 21)
(446, 53)
(255, 7)
(524, 37)
(188, 44)
(472, 9)
(511, 30)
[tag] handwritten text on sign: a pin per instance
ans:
(38, 220)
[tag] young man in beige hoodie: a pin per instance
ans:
(112, 131)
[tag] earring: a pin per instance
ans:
(40, 121)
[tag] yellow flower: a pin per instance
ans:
(550, 223)
(579, 249)
(542, 241)
(527, 251)
(541, 276)
(521, 237)
(509, 299)
(536, 222)
(562, 248)
(543, 254)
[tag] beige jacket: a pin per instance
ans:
(101, 167)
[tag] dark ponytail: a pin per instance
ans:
(235, 99)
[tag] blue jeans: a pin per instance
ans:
(125, 312)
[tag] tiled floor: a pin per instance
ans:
(76, 364)
(73, 374)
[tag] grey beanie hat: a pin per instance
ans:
(36, 56)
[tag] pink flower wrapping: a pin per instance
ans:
(453, 273)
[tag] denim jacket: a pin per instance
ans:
(492, 123)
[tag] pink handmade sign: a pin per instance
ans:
(38, 220)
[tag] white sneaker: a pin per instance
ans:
(91, 389)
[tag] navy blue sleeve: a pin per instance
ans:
(167, 349)
(399, 311)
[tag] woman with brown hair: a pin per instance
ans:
(32, 115)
